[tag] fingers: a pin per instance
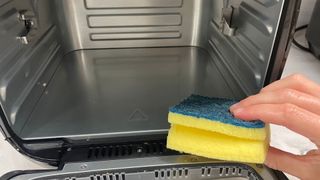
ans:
(291, 96)
(293, 102)
(297, 82)
(288, 115)
(289, 163)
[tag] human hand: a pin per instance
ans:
(293, 102)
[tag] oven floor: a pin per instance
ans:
(121, 92)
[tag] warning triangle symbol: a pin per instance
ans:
(138, 115)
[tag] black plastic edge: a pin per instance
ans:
(13, 174)
(49, 155)
(283, 40)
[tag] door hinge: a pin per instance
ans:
(30, 24)
(226, 26)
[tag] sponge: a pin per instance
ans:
(212, 114)
(203, 126)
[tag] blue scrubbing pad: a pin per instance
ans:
(212, 114)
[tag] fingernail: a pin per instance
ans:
(233, 107)
(237, 111)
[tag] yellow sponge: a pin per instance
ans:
(214, 145)
(216, 126)
(204, 126)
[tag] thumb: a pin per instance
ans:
(289, 163)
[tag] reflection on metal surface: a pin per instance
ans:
(96, 92)
(124, 24)
(121, 91)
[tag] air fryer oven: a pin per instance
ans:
(92, 80)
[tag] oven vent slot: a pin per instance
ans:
(212, 171)
(109, 176)
(206, 171)
(171, 173)
(232, 171)
(117, 151)
(71, 178)
(110, 151)
(113, 151)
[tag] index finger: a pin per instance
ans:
(288, 115)
(297, 82)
